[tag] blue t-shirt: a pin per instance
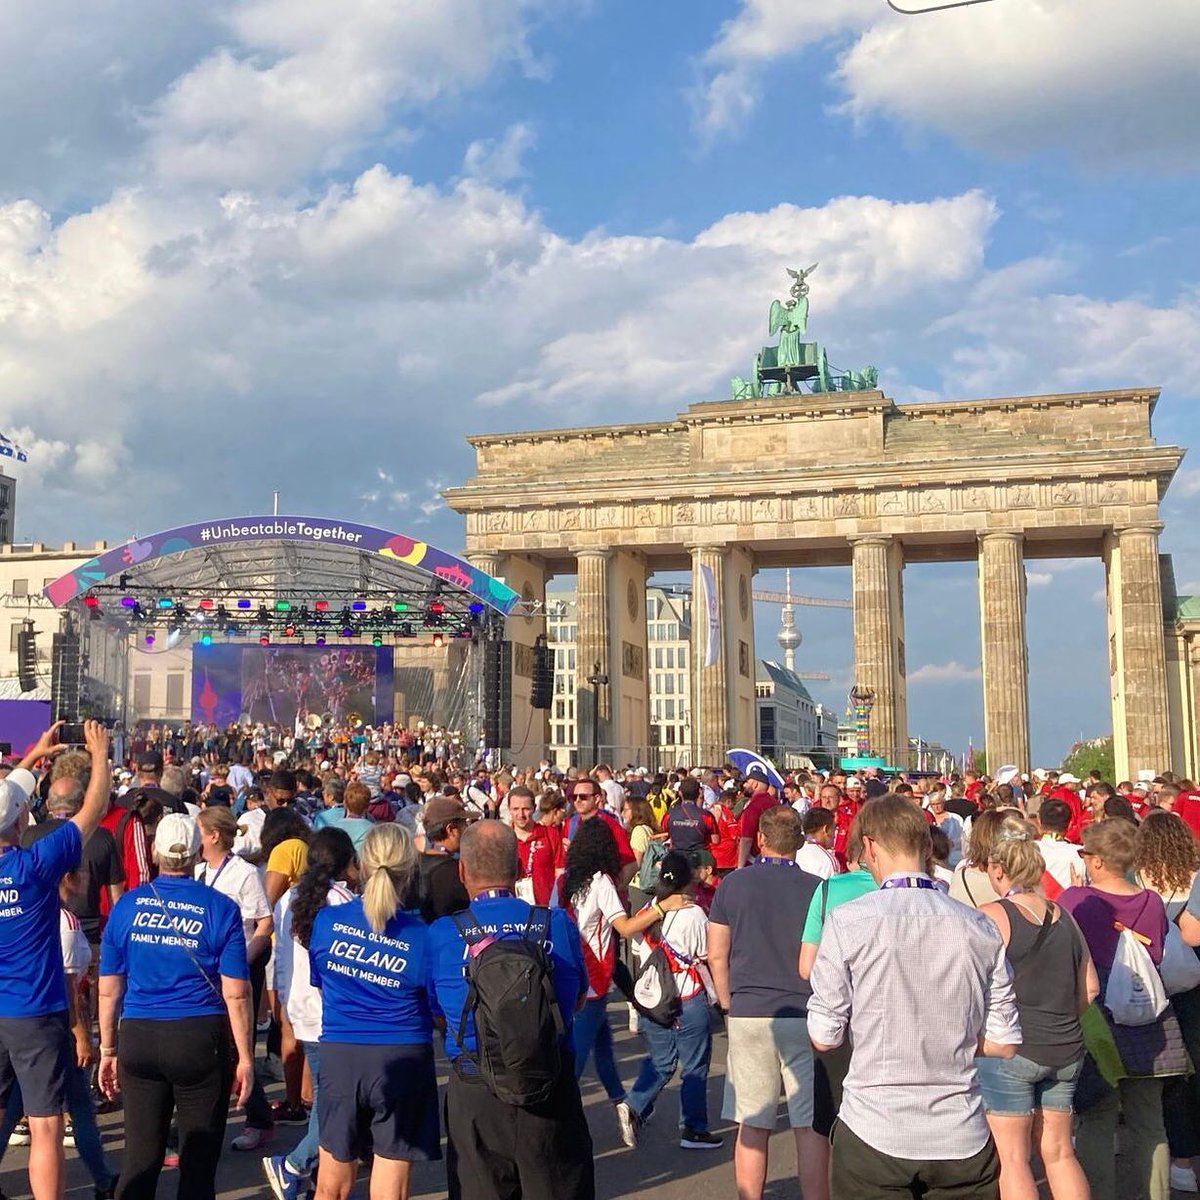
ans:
(374, 986)
(31, 970)
(501, 916)
(356, 828)
(174, 953)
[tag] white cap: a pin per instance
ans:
(1142, 785)
(177, 836)
(15, 791)
(854, 781)
(1007, 774)
(1067, 777)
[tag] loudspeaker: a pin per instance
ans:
(65, 677)
(27, 658)
(497, 694)
(541, 694)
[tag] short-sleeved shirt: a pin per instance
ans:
(1095, 913)
(374, 986)
(538, 858)
(501, 916)
(356, 828)
(837, 890)
(99, 868)
(764, 906)
(594, 912)
(685, 930)
(289, 859)
(242, 883)
(750, 816)
(172, 940)
(689, 827)
(31, 974)
(624, 851)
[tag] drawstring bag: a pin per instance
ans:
(1180, 969)
(1135, 994)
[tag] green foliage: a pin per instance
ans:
(1096, 755)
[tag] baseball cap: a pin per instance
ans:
(757, 772)
(1142, 786)
(177, 835)
(150, 760)
(1007, 774)
(1067, 777)
(441, 810)
(15, 791)
(854, 781)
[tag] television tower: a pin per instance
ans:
(788, 636)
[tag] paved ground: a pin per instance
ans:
(657, 1170)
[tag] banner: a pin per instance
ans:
(712, 607)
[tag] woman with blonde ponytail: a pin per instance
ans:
(370, 960)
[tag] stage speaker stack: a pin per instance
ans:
(27, 657)
(497, 694)
(65, 677)
(542, 692)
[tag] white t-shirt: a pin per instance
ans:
(816, 860)
(953, 826)
(685, 930)
(614, 796)
(1060, 857)
(241, 882)
(290, 975)
(249, 838)
(76, 953)
(594, 914)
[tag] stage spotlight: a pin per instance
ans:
(359, 606)
(243, 603)
(320, 641)
(166, 602)
(437, 608)
(321, 605)
(283, 606)
(206, 639)
(149, 639)
(264, 640)
(91, 601)
(476, 608)
(399, 606)
(206, 604)
(438, 641)
(289, 631)
(347, 632)
(231, 631)
(377, 640)
(130, 602)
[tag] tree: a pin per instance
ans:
(1096, 755)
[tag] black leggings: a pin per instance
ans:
(180, 1066)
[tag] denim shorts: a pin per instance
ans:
(1016, 1087)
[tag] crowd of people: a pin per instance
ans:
(961, 986)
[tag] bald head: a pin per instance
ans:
(65, 798)
(488, 856)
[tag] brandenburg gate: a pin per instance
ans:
(800, 480)
(840, 475)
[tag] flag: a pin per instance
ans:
(712, 610)
(10, 449)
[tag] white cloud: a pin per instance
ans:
(1004, 78)
(1039, 578)
(500, 160)
(942, 673)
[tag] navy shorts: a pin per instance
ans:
(37, 1053)
(378, 1096)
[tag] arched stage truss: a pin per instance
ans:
(281, 581)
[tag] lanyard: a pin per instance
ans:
(763, 861)
(909, 881)
(212, 883)
(494, 894)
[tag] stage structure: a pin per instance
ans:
(277, 619)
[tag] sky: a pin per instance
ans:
(289, 244)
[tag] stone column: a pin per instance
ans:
(1190, 733)
(1002, 592)
(879, 641)
(737, 621)
(1137, 658)
(592, 646)
(527, 577)
(710, 697)
(629, 679)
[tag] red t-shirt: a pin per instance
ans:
(624, 850)
(538, 856)
(725, 848)
(843, 818)
(1187, 807)
(752, 814)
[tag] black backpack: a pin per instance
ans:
(510, 994)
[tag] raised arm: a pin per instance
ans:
(95, 801)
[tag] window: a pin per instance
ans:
(683, 656)
(570, 660)
(669, 681)
(141, 694)
(14, 632)
(175, 693)
(672, 632)
(669, 709)
(560, 709)
(658, 656)
(20, 587)
(670, 656)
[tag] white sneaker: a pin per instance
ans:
(629, 1122)
(1183, 1179)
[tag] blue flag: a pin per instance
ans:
(10, 449)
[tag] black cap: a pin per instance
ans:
(758, 772)
(150, 760)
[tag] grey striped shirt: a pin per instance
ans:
(917, 979)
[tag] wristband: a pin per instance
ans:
(108, 1052)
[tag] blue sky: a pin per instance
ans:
(283, 243)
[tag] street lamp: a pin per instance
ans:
(862, 700)
(597, 679)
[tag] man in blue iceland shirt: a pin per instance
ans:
(547, 1148)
